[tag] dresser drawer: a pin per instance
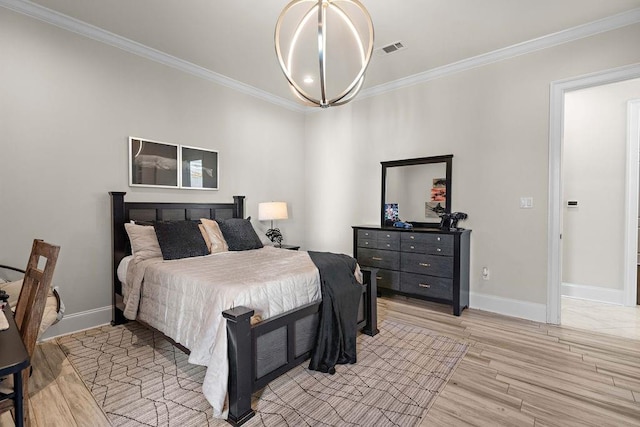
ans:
(367, 243)
(440, 245)
(412, 246)
(389, 236)
(388, 279)
(429, 286)
(367, 235)
(427, 243)
(389, 260)
(441, 266)
(392, 244)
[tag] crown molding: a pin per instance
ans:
(58, 19)
(82, 28)
(571, 34)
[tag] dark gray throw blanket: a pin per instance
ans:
(336, 338)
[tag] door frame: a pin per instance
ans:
(631, 205)
(558, 90)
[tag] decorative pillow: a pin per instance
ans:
(239, 234)
(180, 239)
(205, 236)
(212, 229)
(144, 243)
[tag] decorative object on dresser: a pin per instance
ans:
(429, 264)
(450, 221)
(270, 211)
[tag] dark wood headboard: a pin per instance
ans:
(123, 212)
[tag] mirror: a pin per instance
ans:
(416, 190)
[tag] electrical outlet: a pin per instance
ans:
(485, 273)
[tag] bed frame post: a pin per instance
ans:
(118, 249)
(238, 201)
(371, 300)
(240, 364)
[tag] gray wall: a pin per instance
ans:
(495, 120)
(67, 107)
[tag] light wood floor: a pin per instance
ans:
(610, 319)
(516, 373)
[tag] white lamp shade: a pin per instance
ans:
(270, 211)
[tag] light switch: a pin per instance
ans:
(526, 202)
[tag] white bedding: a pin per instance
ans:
(185, 299)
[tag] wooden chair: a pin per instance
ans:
(30, 308)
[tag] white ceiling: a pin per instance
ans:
(235, 37)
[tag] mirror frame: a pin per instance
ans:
(447, 159)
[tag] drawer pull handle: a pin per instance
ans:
(376, 258)
(388, 235)
(438, 239)
(412, 247)
(424, 264)
(388, 245)
(439, 250)
(412, 237)
(379, 277)
(366, 243)
(424, 285)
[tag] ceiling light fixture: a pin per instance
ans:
(340, 56)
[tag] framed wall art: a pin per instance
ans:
(199, 168)
(153, 163)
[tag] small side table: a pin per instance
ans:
(13, 359)
(290, 247)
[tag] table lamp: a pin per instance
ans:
(270, 211)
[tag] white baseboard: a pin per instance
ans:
(509, 307)
(593, 293)
(78, 322)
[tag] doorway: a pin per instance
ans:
(556, 199)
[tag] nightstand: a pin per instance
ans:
(290, 247)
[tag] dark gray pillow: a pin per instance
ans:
(239, 234)
(180, 239)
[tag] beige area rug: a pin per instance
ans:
(140, 379)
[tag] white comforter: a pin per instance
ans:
(185, 299)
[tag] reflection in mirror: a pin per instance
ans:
(416, 190)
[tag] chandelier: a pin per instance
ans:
(324, 48)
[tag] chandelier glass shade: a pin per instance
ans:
(324, 48)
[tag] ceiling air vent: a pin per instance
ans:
(390, 48)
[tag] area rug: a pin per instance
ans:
(140, 379)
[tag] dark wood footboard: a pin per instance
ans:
(262, 352)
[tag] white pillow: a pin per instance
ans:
(144, 243)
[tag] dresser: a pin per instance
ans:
(429, 263)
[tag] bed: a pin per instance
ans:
(257, 351)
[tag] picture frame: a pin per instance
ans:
(153, 163)
(199, 168)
